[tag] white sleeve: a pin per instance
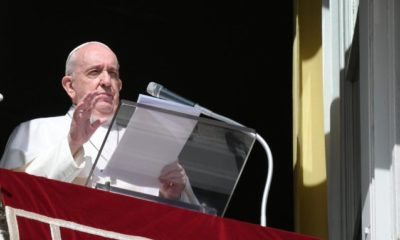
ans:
(188, 195)
(44, 145)
(57, 163)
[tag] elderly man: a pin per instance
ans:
(65, 147)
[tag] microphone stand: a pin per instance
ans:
(263, 143)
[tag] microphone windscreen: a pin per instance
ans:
(154, 89)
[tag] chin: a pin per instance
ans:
(104, 109)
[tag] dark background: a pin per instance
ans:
(233, 57)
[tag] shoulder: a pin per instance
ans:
(32, 137)
(48, 120)
(56, 123)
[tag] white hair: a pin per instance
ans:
(69, 65)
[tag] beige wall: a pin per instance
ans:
(308, 130)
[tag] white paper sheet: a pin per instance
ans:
(151, 141)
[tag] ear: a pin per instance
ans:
(68, 87)
(119, 84)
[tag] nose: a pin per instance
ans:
(105, 79)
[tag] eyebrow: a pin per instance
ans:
(101, 66)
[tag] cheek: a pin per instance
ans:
(116, 87)
(116, 97)
(84, 89)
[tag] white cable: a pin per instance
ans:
(268, 181)
(264, 144)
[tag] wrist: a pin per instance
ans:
(74, 147)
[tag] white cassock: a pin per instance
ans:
(45, 140)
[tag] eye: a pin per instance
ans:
(93, 73)
(113, 74)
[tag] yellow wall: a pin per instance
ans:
(308, 131)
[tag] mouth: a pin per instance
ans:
(106, 97)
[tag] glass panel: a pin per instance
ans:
(212, 153)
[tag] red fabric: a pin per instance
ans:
(118, 213)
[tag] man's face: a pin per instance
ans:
(96, 69)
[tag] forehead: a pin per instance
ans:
(95, 55)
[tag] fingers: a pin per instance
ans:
(173, 179)
(181, 180)
(174, 166)
(173, 173)
(85, 106)
(82, 126)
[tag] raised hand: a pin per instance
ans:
(82, 128)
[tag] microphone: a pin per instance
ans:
(159, 91)
(1, 97)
